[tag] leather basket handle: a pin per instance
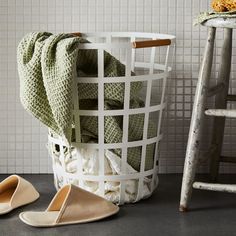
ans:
(151, 43)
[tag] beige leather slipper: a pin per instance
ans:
(71, 205)
(16, 192)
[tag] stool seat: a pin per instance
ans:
(221, 22)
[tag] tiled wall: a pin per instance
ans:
(23, 139)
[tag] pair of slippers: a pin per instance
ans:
(70, 205)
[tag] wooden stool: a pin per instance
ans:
(220, 91)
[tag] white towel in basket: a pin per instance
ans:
(90, 164)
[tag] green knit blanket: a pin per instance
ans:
(47, 66)
(204, 16)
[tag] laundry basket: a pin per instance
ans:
(125, 170)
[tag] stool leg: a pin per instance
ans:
(221, 103)
(192, 151)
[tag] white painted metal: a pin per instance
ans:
(60, 172)
(109, 145)
(101, 119)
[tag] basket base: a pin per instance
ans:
(112, 186)
(112, 191)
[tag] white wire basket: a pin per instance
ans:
(126, 170)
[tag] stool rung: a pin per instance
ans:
(215, 89)
(231, 97)
(230, 188)
(228, 159)
(221, 112)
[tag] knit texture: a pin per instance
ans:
(204, 16)
(48, 65)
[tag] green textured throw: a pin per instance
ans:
(204, 16)
(47, 66)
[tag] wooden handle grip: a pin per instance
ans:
(77, 34)
(151, 43)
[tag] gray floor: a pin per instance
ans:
(211, 213)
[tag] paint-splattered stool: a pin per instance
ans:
(220, 91)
